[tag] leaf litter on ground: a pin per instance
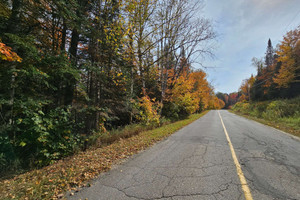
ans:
(72, 173)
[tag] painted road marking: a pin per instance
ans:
(240, 173)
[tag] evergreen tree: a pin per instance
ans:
(69, 68)
(269, 59)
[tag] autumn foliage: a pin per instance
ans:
(6, 53)
(71, 70)
(278, 73)
(148, 111)
(190, 92)
(289, 57)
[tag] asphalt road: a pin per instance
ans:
(196, 163)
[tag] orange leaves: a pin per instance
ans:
(191, 89)
(74, 172)
(289, 56)
(245, 88)
(7, 54)
(285, 76)
(221, 103)
(183, 95)
(148, 110)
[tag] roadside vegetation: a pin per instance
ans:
(281, 114)
(272, 96)
(73, 172)
(74, 72)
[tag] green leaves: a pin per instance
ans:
(83, 62)
(22, 144)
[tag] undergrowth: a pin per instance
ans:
(283, 114)
(71, 173)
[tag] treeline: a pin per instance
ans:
(72, 68)
(229, 99)
(278, 73)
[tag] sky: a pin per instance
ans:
(243, 28)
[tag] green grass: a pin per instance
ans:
(71, 173)
(282, 114)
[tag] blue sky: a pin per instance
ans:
(243, 28)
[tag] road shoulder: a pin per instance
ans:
(271, 124)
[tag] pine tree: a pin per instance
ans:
(269, 59)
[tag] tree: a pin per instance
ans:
(6, 53)
(246, 88)
(269, 58)
(289, 57)
(91, 66)
(280, 76)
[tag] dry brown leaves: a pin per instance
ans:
(71, 173)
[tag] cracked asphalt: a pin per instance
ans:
(196, 163)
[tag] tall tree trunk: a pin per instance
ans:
(12, 100)
(12, 25)
(63, 37)
(131, 71)
(74, 44)
(70, 87)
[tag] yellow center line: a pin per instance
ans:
(240, 173)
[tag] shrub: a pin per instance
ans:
(57, 138)
(271, 110)
(38, 138)
(148, 111)
(7, 156)
(171, 111)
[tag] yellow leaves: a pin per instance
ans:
(53, 181)
(246, 88)
(19, 121)
(22, 144)
(29, 190)
(288, 55)
(190, 90)
(285, 76)
(221, 104)
(148, 113)
(7, 54)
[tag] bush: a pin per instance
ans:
(179, 109)
(7, 156)
(171, 111)
(57, 138)
(271, 110)
(37, 138)
(259, 108)
(148, 114)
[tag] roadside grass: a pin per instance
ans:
(283, 114)
(288, 124)
(71, 173)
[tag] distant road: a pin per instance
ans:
(198, 163)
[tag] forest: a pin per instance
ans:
(273, 96)
(71, 69)
(278, 72)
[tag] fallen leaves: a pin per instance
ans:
(74, 172)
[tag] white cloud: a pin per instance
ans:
(244, 27)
